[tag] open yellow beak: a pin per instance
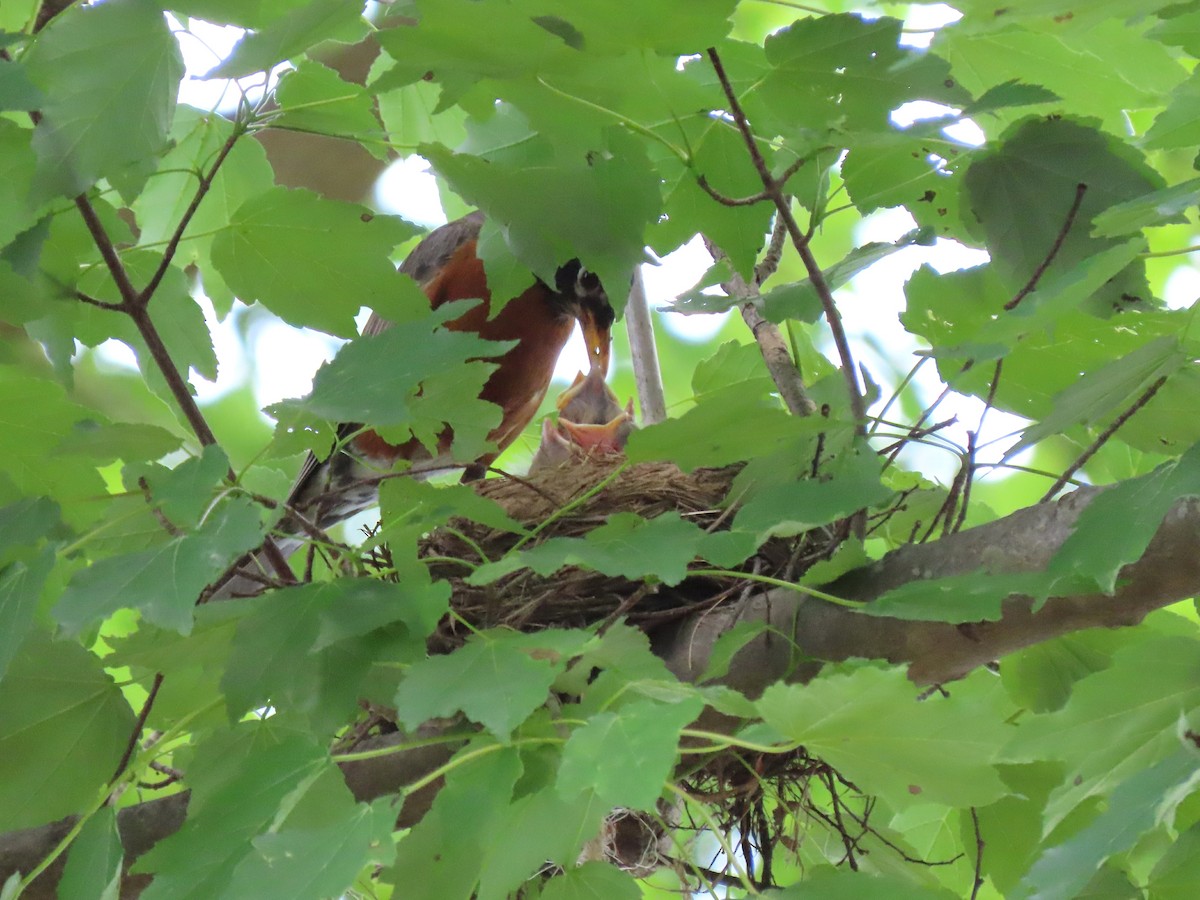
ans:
(598, 339)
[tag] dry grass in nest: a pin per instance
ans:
(576, 499)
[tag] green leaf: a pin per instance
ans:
(720, 157)
(289, 35)
(165, 582)
(1176, 125)
(1177, 874)
(315, 99)
(93, 868)
(24, 523)
(310, 260)
(496, 679)
(1104, 391)
(626, 545)
(16, 90)
(411, 380)
(536, 200)
(843, 72)
(17, 164)
(110, 74)
(442, 855)
(728, 645)
(186, 491)
(917, 168)
(405, 502)
(538, 827)
(108, 442)
(793, 508)
(842, 884)
(1101, 72)
(972, 597)
(258, 771)
(314, 862)
(1116, 723)
(1011, 93)
(63, 727)
(1041, 164)
(1162, 207)
(625, 757)
(1117, 526)
(1041, 677)
(726, 426)
(197, 139)
(20, 590)
(308, 648)
(35, 417)
(593, 880)
(1136, 806)
(872, 729)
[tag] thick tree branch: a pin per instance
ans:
(936, 652)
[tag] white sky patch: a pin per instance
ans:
(677, 272)
(922, 21)
(407, 188)
(204, 46)
(1182, 287)
(286, 359)
(871, 306)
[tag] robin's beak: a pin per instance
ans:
(607, 438)
(598, 339)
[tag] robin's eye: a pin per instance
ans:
(588, 282)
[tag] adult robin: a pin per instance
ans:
(591, 423)
(540, 320)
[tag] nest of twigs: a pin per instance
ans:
(573, 500)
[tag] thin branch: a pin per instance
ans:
(774, 350)
(108, 252)
(799, 241)
(779, 362)
(137, 728)
(1080, 190)
(101, 304)
(1100, 441)
(770, 262)
(646, 373)
(202, 189)
(978, 882)
(175, 383)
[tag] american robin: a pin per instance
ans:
(541, 320)
(591, 422)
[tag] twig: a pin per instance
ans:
(173, 244)
(770, 262)
(162, 359)
(137, 728)
(770, 342)
(978, 882)
(1080, 190)
(642, 349)
(108, 252)
(799, 242)
(1100, 441)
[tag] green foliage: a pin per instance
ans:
(595, 130)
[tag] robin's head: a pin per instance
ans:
(584, 298)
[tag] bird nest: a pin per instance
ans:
(570, 501)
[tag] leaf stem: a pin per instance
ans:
(780, 583)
